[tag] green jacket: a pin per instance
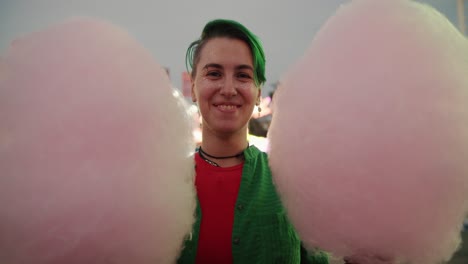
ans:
(262, 232)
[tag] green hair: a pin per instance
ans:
(229, 29)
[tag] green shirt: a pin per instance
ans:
(262, 232)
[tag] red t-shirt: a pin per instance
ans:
(217, 190)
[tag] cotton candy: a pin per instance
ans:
(95, 162)
(369, 137)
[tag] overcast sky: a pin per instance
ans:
(167, 27)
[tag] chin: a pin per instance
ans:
(228, 128)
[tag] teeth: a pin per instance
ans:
(226, 107)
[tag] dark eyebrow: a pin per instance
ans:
(244, 67)
(213, 65)
(219, 66)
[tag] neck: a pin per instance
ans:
(224, 145)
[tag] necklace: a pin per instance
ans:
(204, 156)
(207, 160)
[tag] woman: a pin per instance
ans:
(240, 218)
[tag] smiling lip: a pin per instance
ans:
(226, 107)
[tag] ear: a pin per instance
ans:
(192, 91)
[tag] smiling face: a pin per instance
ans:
(224, 86)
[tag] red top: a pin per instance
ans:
(217, 190)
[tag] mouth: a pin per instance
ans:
(226, 107)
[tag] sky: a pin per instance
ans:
(166, 28)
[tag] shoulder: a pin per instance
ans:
(252, 152)
(257, 181)
(256, 167)
(257, 158)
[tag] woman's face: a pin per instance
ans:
(224, 86)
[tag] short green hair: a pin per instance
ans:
(228, 29)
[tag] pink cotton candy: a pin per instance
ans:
(369, 137)
(94, 151)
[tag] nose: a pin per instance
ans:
(228, 87)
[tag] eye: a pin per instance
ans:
(244, 76)
(213, 74)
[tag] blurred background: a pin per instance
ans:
(166, 28)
